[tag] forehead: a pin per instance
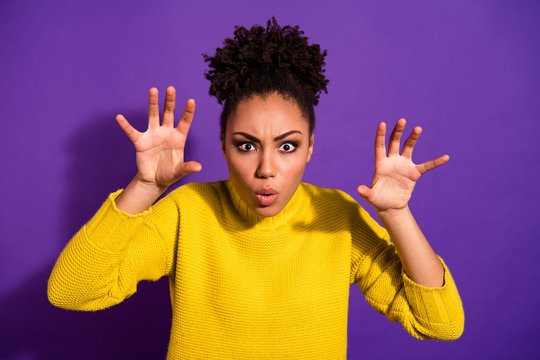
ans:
(270, 115)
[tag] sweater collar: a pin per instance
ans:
(255, 221)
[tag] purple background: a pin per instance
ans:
(466, 71)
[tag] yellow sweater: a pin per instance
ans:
(248, 287)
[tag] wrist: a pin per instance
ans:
(138, 196)
(146, 187)
(393, 212)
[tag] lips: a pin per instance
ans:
(266, 196)
(266, 191)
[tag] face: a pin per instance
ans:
(267, 147)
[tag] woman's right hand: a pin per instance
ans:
(160, 149)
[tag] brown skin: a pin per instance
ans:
(272, 163)
(267, 163)
(391, 189)
(159, 153)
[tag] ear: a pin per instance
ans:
(223, 146)
(310, 150)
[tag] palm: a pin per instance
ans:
(395, 174)
(160, 149)
(159, 152)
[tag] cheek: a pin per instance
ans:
(295, 164)
(292, 172)
(240, 165)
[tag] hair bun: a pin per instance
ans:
(270, 52)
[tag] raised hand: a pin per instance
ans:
(160, 149)
(395, 175)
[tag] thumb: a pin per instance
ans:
(193, 166)
(188, 168)
(364, 191)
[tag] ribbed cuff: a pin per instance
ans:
(434, 305)
(111, 228)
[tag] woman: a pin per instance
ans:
(260, 265)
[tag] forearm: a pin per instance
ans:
(138, 196)
(417, 257)
(87, 272)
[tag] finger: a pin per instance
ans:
(187, 117)
(432, 164)
(364, 191)
(380, 149)
(393, 142)
(153, 110)
(130, 131)
(408, 147)
(170, 102)
(187, 168)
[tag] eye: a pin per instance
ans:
(288, 147)
(246, 147)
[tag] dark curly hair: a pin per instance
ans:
(262, 61)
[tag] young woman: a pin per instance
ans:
(260, 264)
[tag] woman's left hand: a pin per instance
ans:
(395, 175)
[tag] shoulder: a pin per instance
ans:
(198, 190)
(327, 196)
(197, 196)
(333, 204)
(205, 188)
(327, 200)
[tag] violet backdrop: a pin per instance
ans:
(466, 71)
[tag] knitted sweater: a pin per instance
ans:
(248, 287)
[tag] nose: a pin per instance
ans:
(267, 166)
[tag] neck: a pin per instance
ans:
(253, 220)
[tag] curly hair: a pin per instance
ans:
(262, 61)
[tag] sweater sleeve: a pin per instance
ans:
(425, 312)
(103, 262)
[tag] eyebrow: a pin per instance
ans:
(277, 138)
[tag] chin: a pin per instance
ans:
(267, 211)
